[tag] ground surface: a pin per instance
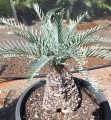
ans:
(10, 90)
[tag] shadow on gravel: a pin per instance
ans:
(8, 111)
(3, 68)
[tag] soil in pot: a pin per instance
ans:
(90, 108)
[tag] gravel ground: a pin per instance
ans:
(12, 89)
(9, 93)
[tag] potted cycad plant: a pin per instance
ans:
(54, 45)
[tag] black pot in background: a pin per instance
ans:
(19, 19)
(23, 98)
(27, 19)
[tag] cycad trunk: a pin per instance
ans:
(61, 93)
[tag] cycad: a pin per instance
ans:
(55, 44)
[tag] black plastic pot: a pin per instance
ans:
(19, 19)
(23, 98)
(27, 19)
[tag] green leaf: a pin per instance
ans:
(39, 13)
(94, 39)
(81, 38)
(51, 12)
(35, 66)
(20, 31)
(97, 51)
(95, 29)
(71, 29)
(19, 48)
(58, 27)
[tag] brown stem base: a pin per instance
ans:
(61, 93)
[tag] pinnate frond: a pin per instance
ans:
(20, 31)
(71, 29)
(83, 37)
(73, 23)
(97, 51)
(19, 48)
(95, 29)
(39, 13)
(27, 35)
(94, 39)
(42, 17)
(35, 66)
(58, 28)
(91, 79)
